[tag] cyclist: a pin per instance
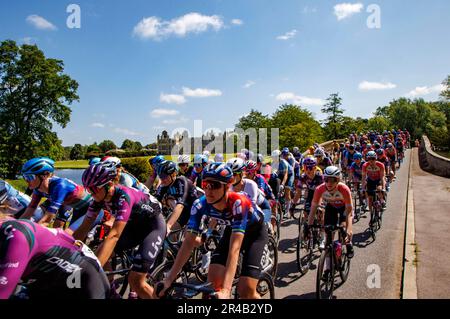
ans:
(218, 158)
(355, 175)
(123, 177)
(49, 260)
(62, 194)
(245, 231)
(179, 193)
(322, 160)
(400, 148)
(184, 167)
(14, 203)
(285, 173)
(311, 178)
(297, 155)
(154, 162)
(339, 207)
(373, 180)
(200, 162)
(241, 184)
(138, 221)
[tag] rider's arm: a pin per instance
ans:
(236, 240)
(108, 245)
(383, 179)
(176, 213)
(29, 211)
(88, 221)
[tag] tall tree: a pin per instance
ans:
(34, 94)
(107, 145)
(446, 93)
(127, 145)
(333, 122)
(77, 152)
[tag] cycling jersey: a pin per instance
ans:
(357, 170)
(373, 173)
(264, 186)
(311, 184)
(283, 167)
(349, 157)
(63, 195)
(339, 198)
(183, 192)
(145, 224)
(324, 163)
(188, 172)
(16, 203)
(47, 258)
(240, 213)
(196, 178)
(251, 189)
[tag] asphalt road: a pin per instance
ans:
(376, 268)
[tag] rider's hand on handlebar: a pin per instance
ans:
(161, 288)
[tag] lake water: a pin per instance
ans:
(72, 174)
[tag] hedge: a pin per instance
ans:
(139, 167)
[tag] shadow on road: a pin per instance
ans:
(362, 240)
(309, 295)
(287, 246)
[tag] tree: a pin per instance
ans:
(333, 122)
(446, 93)
(255, 120)
(127, 145)
(34, 94)
(77, 152)
(107, 145)
(379, 123)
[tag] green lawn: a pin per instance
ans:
(18, 184)
(71, 164)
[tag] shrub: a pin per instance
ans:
(139, 167)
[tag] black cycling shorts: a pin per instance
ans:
(147, 232)
(92, 283)
(372, 186)
(334, 216)
(252, 249)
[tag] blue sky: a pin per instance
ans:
(145, 66)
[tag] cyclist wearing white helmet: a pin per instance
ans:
(218, 158)
(184, 167)
(339, 207)
(200, 162)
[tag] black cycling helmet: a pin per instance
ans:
(166, 168)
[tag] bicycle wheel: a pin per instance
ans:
(325, 277)
(344, 268)
(304, 249)
(266, 287)
(269, 260)
(201, 273)
(373, 224)
(120, 261)
(161, 272)
(357, 209)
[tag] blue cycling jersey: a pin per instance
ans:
(284, 167)
(357, 169)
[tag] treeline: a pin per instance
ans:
(129, 148)
(298, 127)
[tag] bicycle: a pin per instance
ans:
(305, 246)
(376, 215)
(333, 259)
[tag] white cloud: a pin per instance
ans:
(287, 35)
(200, 92)
(29, 40)
(237, 22)
(346, 10)
(99, 125)
(248, 84)
(424, 90)
(163, 112)
(300, 100)
(125, 131)
(172, 98)
(156, 29)
(40, 23)
(370, 86)
(176, 121)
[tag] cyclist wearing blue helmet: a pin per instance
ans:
(62, 194)
(154, 162)
(200, 162)
(14, 202)
(245, 231)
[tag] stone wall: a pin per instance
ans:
(432, 162)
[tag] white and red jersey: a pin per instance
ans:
(375, 172)
(340, 197)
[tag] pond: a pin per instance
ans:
(72, 174)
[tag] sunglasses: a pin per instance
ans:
(198, 165)
(211, 185)
(330, 180)
(29, 177)
(183, 165)
(309, 168)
